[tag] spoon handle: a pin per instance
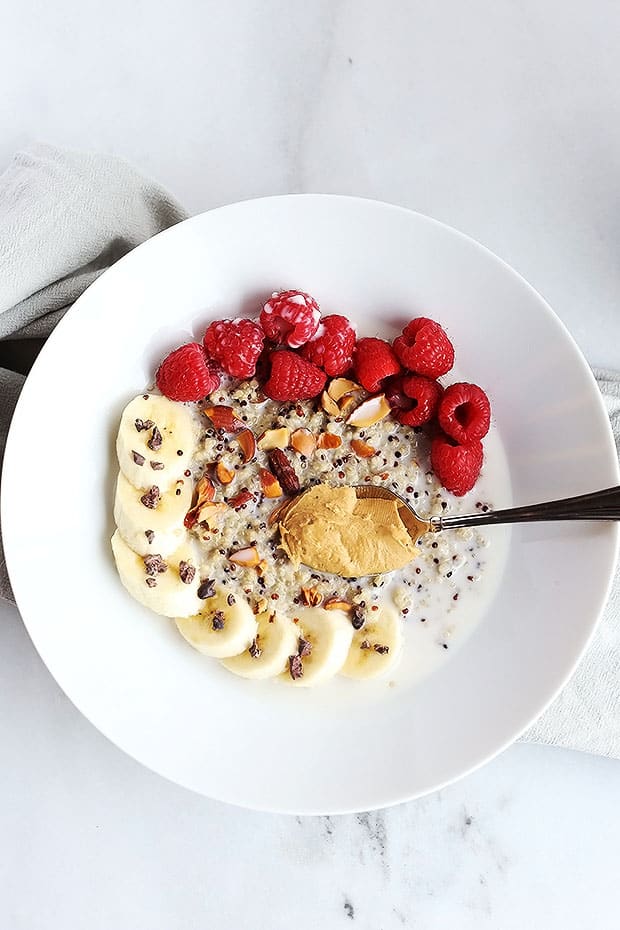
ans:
(600, 505)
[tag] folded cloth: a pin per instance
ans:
(586, 715)
(64, 218)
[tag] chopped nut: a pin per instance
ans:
(248, 557)
(369, 412)
(138, 459)
(284, 471)
(362, 449)
(150, 536)
(210, 511)
(254, 649)
(365, 644)
(311, 597)
(328, 441)
(243, 497)
(336, 603)
(203, 493)
(304, 648)
(248, 445)
(341, 386)
(224, 418)
(269, 483)
(303, 441)
(156, 466)
(382, 650)
(329, 405)
(223, 474)
(274, 439)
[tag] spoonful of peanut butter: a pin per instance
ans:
(338, 530)
(369, 530)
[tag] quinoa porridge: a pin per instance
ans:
(248, 453)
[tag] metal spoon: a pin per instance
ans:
(599, 505)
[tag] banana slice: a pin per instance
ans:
(276, 639)
(224, 627)
(155, 442)
(152, 529)
(376, 648)
(329, 634)
(158, 583)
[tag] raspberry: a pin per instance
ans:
(290, 318)
(293, 378)
(186, 374)
(457, 467)
(425, 395)
(424, 348)
(373, 360)
(236, 345)
(465, 412)
(332, 347)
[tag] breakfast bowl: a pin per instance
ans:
(469, 683)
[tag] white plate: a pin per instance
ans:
(132, 675)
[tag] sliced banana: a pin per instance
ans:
(376, 648)
(152, 529)
(224, 627)
(155, 442)
(276, 639)
(158, 583)
(329, 634)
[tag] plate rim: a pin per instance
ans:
(11, 450)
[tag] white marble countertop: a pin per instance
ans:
(498, 118)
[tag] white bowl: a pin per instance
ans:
(334, 749)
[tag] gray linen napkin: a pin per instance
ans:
(64, 218)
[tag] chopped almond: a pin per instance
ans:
(224, 418)
(362, 449)
(328, 441)
(335, 603)
(247, 557)
(240, 499)
(203, 493)
(348, 403)
(369, 412)
(270, 484)
(311, 597)
(248, 445)
(329, 406)
(223, 474)
(303, 441)
(273, 439)
(341, 386)
(210, 511)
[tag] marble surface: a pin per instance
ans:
(498, 118)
